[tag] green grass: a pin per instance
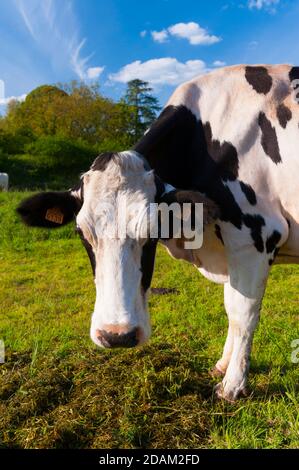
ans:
(58, 390)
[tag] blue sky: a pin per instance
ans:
(163, 41)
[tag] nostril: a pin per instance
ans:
(115, 340)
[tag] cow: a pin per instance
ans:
(228, 139)
(4, 182)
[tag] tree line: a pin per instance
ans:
(70, 121)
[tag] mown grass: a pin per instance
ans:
(58, 390)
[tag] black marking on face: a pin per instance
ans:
(272, 241)
(289, 223)
(101, 162)
(218, 233)
(294, 75)
(78, 192)
(145, 162)
(89, 250)
(225, 155)
(269, 139)
(284, 114)
(255, 223)
(147, 263)
(259, 79)
(249, 193)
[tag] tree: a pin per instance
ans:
(143, 106)
(42, 112)
(77, 112)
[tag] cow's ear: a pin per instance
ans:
(50, 209)
(211, 211)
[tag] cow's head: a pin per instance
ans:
(118, 189)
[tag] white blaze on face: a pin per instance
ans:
(115, 197)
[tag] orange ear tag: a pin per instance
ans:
(54, 215)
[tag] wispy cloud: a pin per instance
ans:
(53, 26)
(165, 71)
(25, 16)
(269, 5)
(193, 32)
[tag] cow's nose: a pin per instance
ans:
(118, 340)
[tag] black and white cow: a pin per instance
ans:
(230, 139)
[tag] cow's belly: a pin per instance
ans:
(210, 259)
(289, 251)
(285, 185)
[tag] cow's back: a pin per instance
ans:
(254, 110)
(233, 134)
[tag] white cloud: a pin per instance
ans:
(53, 26)
(219, 63)
(260, 4)
(143, 33)
(165, 71)
(195, 34)
(160, 36)
(94, 72)
(5, 101)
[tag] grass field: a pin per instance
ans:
(58, 390)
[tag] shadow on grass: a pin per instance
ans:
(272, 385)
(152, 397)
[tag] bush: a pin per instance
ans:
(113, 145)
(61, 152)
(12, 143)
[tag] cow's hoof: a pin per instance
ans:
(217, 372)
(229, 396)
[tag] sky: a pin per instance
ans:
(164, 42)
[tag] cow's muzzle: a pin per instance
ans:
(119, 340)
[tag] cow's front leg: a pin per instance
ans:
(242, 297)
